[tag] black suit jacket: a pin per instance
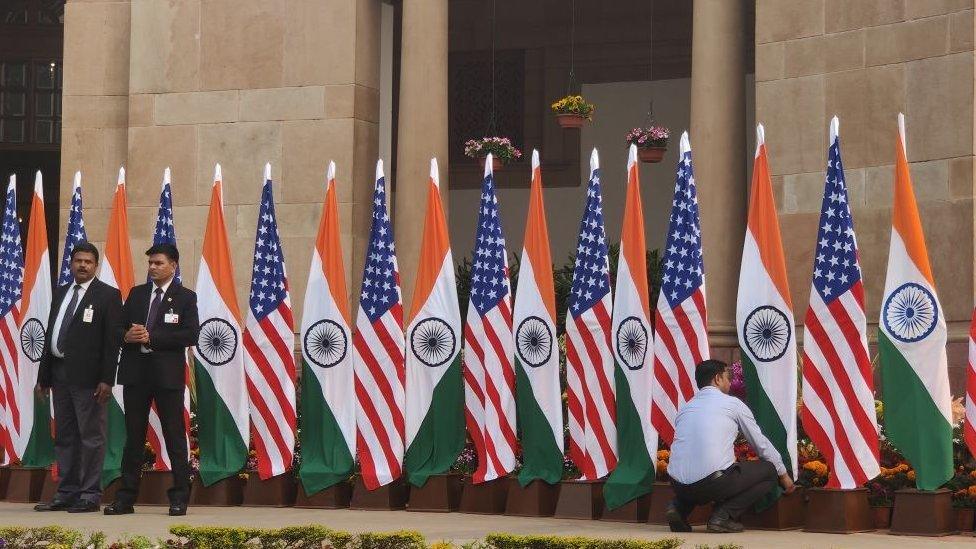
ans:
(164, 366)
(91, 349)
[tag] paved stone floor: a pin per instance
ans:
(153, 522)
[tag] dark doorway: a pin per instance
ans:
(31, 46)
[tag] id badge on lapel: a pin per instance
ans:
(88, 314)
(171, 318)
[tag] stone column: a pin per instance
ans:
(421, 127)
(718, 139)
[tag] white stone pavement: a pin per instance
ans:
(457, 527)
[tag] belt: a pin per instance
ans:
(714, 476)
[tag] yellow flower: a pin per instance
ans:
(663, 454)
(911, 475)
(662, 466)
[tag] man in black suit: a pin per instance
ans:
(161, 321)
(84, 332)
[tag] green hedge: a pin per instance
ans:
(299, 537)
(293, 537)
(50, 537)
(508, 541)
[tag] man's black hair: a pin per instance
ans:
(87, 247)
(707, 370)
(169, 250)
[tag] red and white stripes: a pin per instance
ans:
(680, 344)
(969, 429)
(380, 378)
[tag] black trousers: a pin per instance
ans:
(169, 404)
(733, 493)
(79, 442)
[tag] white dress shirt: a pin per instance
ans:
(704, 436)
(61, 309)
(152, 295)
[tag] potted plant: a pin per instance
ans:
(501, 149)
(572, 111)
(651, 142)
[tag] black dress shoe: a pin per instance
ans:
(723, 525)
(676, 522)
(119, 509)
(82, 506)
(177, 509)
(56, 505)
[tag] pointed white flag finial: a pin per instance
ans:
(434, 177)
(167, 178)
(218, 177)
(488, 169)
(535, 159)
(834, 129)
(631, 156)
(684, 145)
(331, 172)
(901, 133)
(77, 181)
(760, 137)
(267, 171)
(38, 184)
(13, 183)
(594, 161)
(121, 180)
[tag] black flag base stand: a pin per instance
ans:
(336, 496)
(836, 511)
(227, 492)
(923, 513)
(440, 494)
(787, 513)
(634, 511)
(392, 497)
(25, 485)
(580, 499)
(538, 499)
(486, 498)
(277, 491)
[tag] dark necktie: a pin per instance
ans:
(66, 319)
(154, 307)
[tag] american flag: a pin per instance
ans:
(489, 376)
(838, 388)
(681, 334)
(589, 360)
(378, 358)
(269, 343)
(74, 233)
(165, 233)
(11, 281)
(969, 427)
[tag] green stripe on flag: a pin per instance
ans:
(114, 443)
(766, 416)
(326, 460)
(441, 435)
(635, 472)
(541, 458)
(222, 452)
(40, 445)
(912, 421)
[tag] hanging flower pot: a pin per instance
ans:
(572, 111)
(496, 164)
(651, 142)
(500, 148)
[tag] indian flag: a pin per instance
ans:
(328, 403)
(539, 402)
(435, 395)
(222, 407)
(33, 442)
(631, 337)
(116, 271)
(764, 317)
(912, 342)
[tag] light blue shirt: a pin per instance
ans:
(705, 430)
